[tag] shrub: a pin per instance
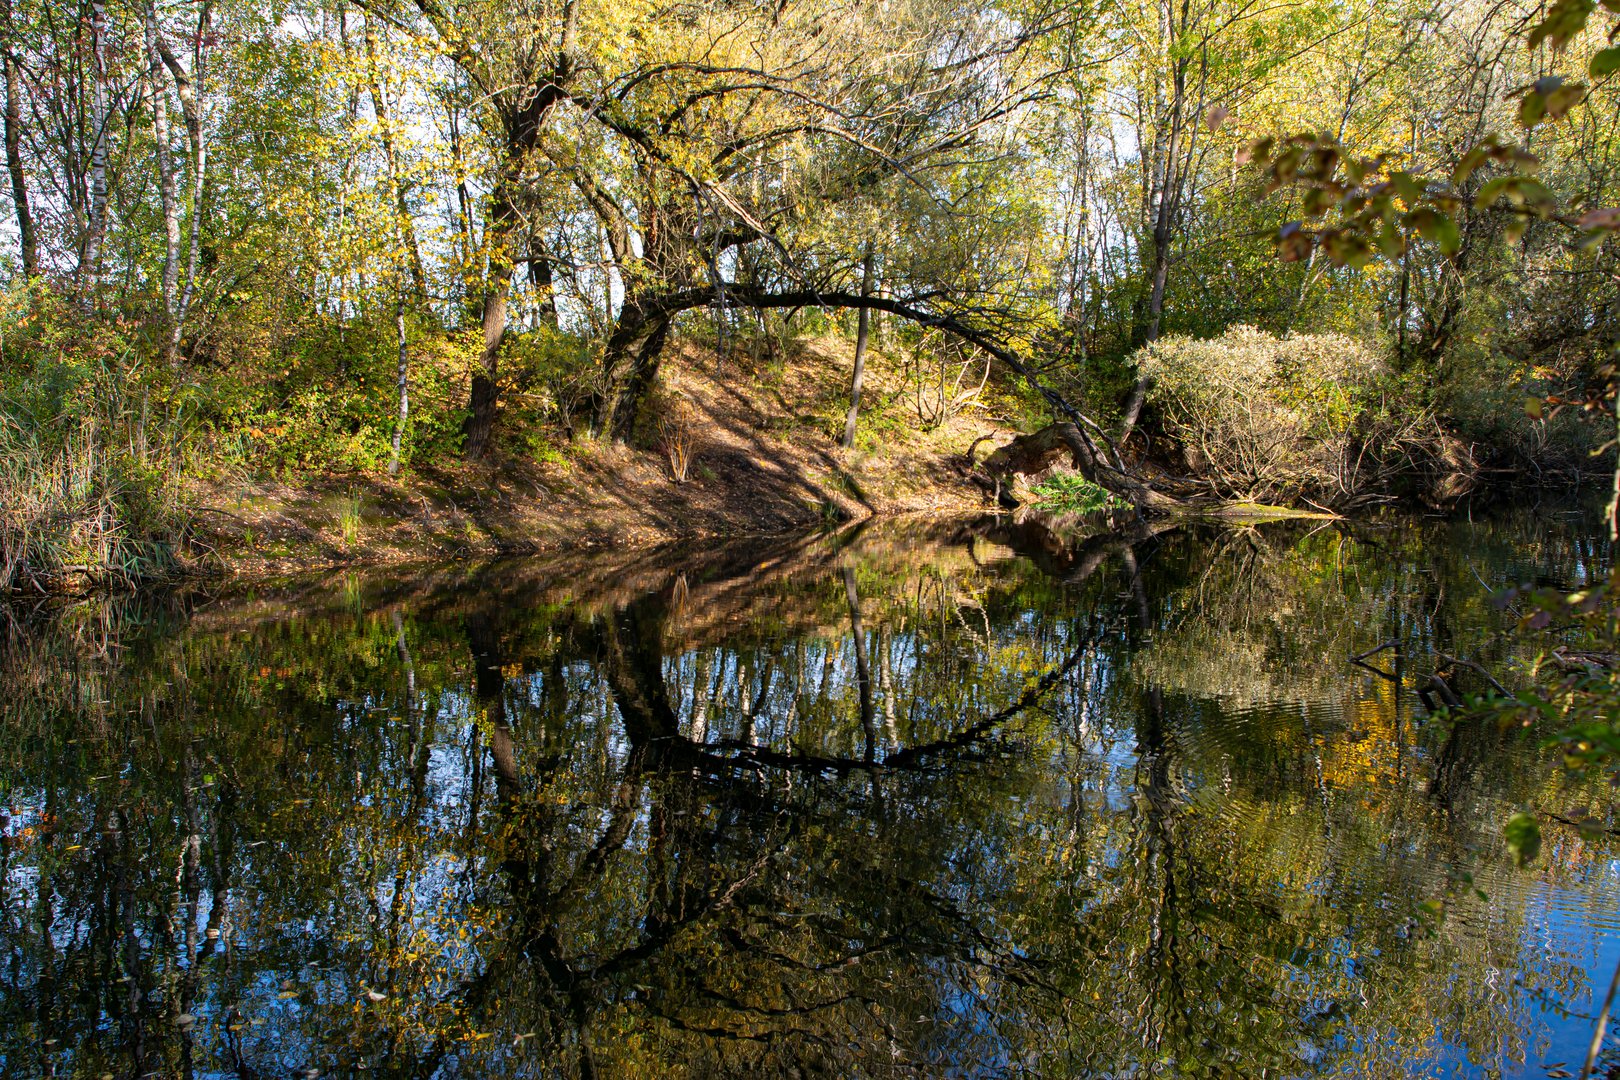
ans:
(1259, 416)
(550, 380)
(670, 426)
(328, 400)
(1487, 410)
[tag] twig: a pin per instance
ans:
(1325, 510)
(1359, 657)
(975, 446)
(1583, 826)
(1602, 1027)
(1380, 672)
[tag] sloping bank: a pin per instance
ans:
(736, 452)
(1243, 427)
(603, 497)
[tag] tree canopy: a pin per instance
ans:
(348, 234)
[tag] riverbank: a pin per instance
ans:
(740, 445)
(759, 455)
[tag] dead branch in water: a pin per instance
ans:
(1476, 669)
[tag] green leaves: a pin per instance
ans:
(1523, 836)
(1532, 109)
(1293, 243)
(1491, 192)
(1436, 227)
(1491, 148)
(1073, 493)
(1604, 62)
(1564, 20)
(1346, 248)
(1408, 187)
(1549, 98)
(1378, 213)
(1258, 150)
(1523, 192)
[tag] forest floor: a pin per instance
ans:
(763, 459)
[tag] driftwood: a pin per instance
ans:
(1574, 662)
(1476, 669)
(1439, 685)
(1438, 689)
(1374, 651)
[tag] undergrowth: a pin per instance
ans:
(1071, 493)
(87, 494)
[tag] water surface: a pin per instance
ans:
(942, 800)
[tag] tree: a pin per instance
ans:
(522, 62)
(27, 235)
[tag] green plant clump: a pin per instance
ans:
(1071, 493)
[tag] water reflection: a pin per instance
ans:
(939, 800)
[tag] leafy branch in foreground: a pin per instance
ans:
(1356, 208)
(1577, 690)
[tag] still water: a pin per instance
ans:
(943, 799)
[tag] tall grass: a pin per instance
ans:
(86, 499)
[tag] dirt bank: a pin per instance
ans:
(763, 459)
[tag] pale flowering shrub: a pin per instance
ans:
(1263, 417)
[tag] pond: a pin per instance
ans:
(922, 798)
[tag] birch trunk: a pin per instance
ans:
(166, 187)
(185, 86)
(90, 254)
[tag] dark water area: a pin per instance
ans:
(943, 799)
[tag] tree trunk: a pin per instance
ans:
(864, 322)
(90, 253)
(524, 118)
(1168, 202)
(405, 249)
(462, 210)
(186, 90)
(540, 281)
(1029, 454)
(633, 354)
(485, 394)
(26, 231)
(863, 667)
(166, 191)
(489, 697)
(403, 379)
(411, 252)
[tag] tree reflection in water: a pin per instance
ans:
(965, 799)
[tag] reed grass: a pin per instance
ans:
(86, 499)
